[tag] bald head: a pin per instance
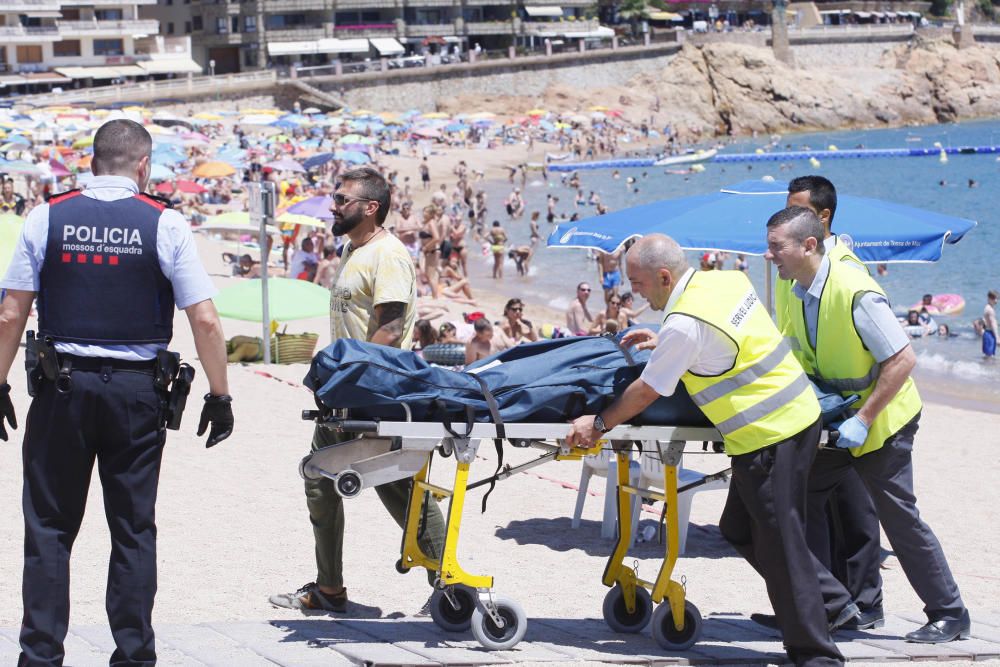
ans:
(658, 251)
(119, 146)
(654, 265)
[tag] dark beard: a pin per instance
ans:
(346, 224)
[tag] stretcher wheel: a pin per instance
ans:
(617, 616)
(446, 616)
(402, 569)
(666, 633)
(348, 484)
(494, 638)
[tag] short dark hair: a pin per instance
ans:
(119, 145)
(822, 194)
(991, 295)
(482, 325)
(802, 223)
(373, 187)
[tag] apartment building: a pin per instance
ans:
(78, 42)
(240, 35)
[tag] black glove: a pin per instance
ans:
(218, 411)
(6, 411)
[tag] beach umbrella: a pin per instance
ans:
(434, 115)
(354, 157)
(189, 187)
(166, 155)
(84, 142)
(426, 132)
(59, 170)
(214, 169)
(20, 167)
(286, 164)
(288, 299)
(456, 127)
(733, 219)
(317, 160)
(10, 231)
(83, 162)
(536, 112)
(311, 110)
(159, 172)
(205, 115)
(298, 219)
(315, 207)
(232, 218)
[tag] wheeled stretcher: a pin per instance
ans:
(386, 451)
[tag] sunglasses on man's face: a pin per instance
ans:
(341, 199)
(584, 289)
(516, 309)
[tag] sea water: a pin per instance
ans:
(953, 366)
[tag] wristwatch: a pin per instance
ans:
(599, 424)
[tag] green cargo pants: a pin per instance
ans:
(326, 511)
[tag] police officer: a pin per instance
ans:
(848, 337)
(845, 538)
(108, 264)
(718, 339)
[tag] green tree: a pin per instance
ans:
(633, 11)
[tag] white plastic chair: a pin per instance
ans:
(645, 473)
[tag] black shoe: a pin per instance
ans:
(866, 619)
(845, 615)
(767, 620)
(938, 632)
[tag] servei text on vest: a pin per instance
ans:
(125, 241)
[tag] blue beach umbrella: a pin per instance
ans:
(159, 172)
(317, 160)
(354, 157)
(733, 219)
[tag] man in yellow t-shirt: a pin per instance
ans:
(373, 298)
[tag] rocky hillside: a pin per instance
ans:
(739, 89)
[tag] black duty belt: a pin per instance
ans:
(97, 364)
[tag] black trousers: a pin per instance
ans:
(764, 519)
(845, 537)
(114, 417)
(887, 474)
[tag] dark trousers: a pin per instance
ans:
(764, 519)
(845, 537)
(326, 512)
(113, 417)
(887, 473)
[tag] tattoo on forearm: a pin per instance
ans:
(389, 317)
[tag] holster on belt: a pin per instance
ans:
(40, 361)
(174, 379)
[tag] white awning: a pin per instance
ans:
(342, 46)
(545, 10)
(387, 46)
(600, 32)
(44, 14)
(11, 80)
(90, 72)
(290, 48)
(130, 70)
(827, 12)
(171, 66)
(863, 15)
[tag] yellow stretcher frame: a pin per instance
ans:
(398, 450)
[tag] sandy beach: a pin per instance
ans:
(233, 527)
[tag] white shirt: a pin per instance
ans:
(686, 344)
(175, 249)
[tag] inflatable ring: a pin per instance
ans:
(445, 354)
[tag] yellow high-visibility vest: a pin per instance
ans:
(785, 299)
(840, 357)
(764, 397)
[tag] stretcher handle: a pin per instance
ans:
(356, 425)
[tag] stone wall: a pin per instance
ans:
(425, 89)
(844, 55)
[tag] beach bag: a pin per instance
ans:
(293, 348)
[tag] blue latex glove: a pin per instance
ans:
(853, 433)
